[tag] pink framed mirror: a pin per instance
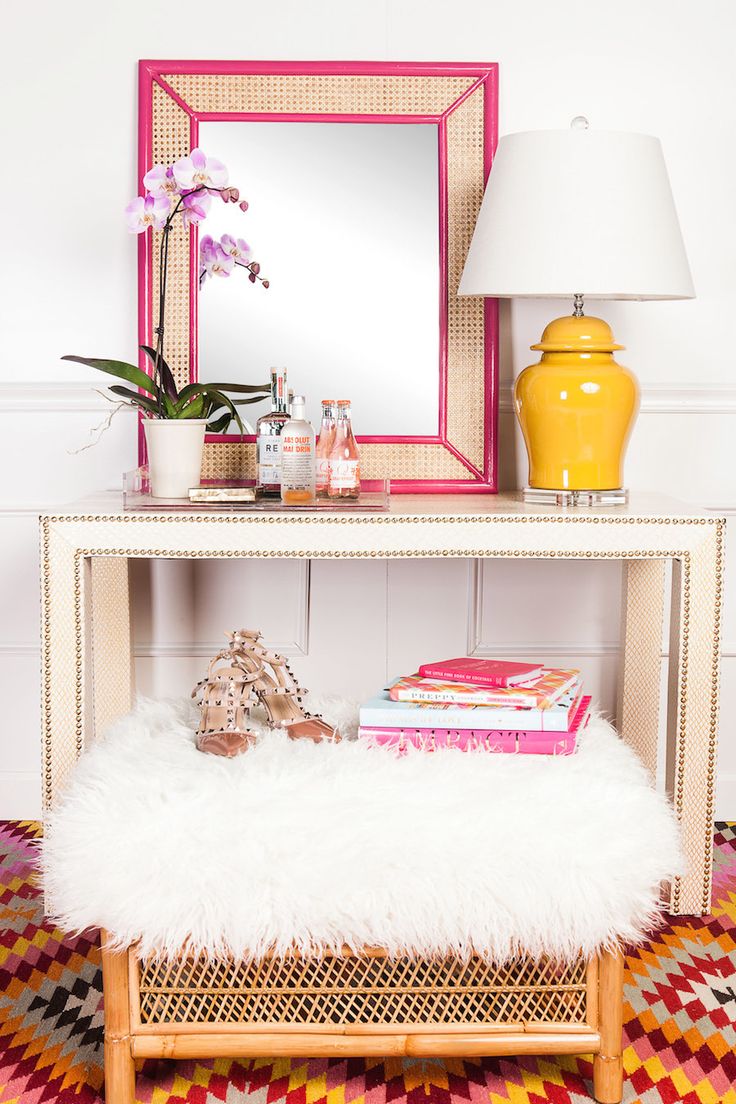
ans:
(364, 181)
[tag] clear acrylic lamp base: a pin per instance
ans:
(544, 496)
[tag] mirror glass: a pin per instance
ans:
(344, 220)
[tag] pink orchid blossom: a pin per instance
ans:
(195, 207)
(214, 261)
(160, 180)
(199, 171)
(149, 211)
(238, 249)
(206, 248)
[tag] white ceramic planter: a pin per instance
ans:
(174, 455)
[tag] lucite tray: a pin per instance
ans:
(374, 496)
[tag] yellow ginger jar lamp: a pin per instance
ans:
(579, 214)
(576, 408)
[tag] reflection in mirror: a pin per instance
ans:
(344, 221)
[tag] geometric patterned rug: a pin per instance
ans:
(679, 1023)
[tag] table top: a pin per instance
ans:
(109, 504)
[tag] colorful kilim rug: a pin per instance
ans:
(680, 1017)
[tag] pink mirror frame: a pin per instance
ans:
(462, 101)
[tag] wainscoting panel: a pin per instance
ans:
(575, 601)
(20, 732)
(19, 579)
(184, 607)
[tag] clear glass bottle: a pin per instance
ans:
(344, 472)
(268, 433)
(297, 456)
(324, 447)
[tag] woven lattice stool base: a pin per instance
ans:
(359, 1005)
(363, 990)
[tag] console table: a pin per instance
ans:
(86, 642)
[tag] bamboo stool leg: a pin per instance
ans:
(119, 1064)
(608, 1072)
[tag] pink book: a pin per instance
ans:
(481, 672)
(529, 742)
(552, 684)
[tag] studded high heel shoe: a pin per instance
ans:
(226, 696)
(278, 691)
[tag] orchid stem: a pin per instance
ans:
(162, 273)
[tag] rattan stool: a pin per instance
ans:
(358, 1005)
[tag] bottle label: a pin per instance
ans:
(297, 462)
(269, 461)
(322, 472)
(344, 475)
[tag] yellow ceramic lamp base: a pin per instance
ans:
(576, 408)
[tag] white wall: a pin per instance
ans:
(67, 284)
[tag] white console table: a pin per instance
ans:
(86, 646)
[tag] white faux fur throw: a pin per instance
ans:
(317, 846)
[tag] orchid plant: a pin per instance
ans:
(184, 190)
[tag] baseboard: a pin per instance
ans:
(20, 795)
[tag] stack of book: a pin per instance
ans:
(480, 704)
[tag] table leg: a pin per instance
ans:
(641, 660)
(693, 712)
(63, 632)
(112, 654)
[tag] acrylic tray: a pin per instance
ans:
(137, 495)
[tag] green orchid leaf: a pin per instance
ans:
(249, 387)
(223, 400)
(248, 402)
(197, 408)
(167, 377)
(120, 368)
(220, 424)
(188, 391)
(135, 397)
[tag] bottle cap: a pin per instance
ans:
(298, 404)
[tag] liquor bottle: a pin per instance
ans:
(268, 444)
(324, 448)
(344, 474)
(297, 456)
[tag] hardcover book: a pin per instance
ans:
(525, 742)
(547, 689)
(481, 672)
(381, 712)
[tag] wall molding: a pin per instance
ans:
(40, 396)
(74, 397)
(689, 398)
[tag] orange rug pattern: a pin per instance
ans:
(679, 1015)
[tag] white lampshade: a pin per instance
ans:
(578, 210)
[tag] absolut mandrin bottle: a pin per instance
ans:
(297, 457)
(268, 438)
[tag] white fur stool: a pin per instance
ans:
(336, 899)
